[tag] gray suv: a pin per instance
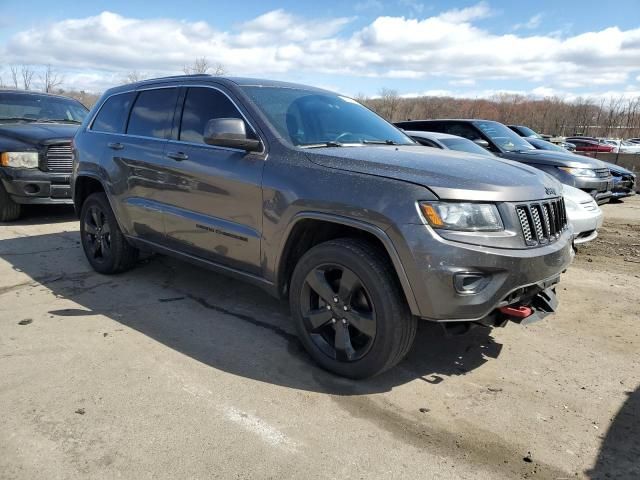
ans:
(313, 197)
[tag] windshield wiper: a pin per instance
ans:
(14, 119)
(382, 142)
(322, 145)
(57, 120)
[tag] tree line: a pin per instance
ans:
(617, 117)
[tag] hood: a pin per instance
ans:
(576, 195)
(448, 174)
(36, 134)
(618, 169)
(553, 158)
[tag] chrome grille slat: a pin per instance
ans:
(542, 222)
(59, 158)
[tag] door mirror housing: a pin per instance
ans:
(231, 133)
(482, 143)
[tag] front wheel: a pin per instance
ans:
(349, 310)
(9, 210)
(106, 248)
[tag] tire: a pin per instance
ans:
(350, 281)
(106, 248)
(9, 210)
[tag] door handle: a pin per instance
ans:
(115, 146)
(179, 156)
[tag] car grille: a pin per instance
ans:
(59, 158)
(542, 222)
(602, 172)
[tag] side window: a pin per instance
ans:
(113, 113)
(463, 130)
(201, 105)
(152, 114)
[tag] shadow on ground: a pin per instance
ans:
(44, 214)
(226, 324)
(619, 455)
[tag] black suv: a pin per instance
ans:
(313, 197)
(35, 149)
(585, 173)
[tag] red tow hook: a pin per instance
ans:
(518, 312)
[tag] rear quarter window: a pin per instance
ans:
(113, 113)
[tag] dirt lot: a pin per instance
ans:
(170, 371)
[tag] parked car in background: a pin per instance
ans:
(35, 149)
(590, 145)
(585, 173)
(525, 131)
(634, 140)
(584, 214)
(624, 181)
(621, 146)
(448, 142)
(314, 197)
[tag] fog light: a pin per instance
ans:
(470, 283)
(31, 188)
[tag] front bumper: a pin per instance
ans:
(585, 224)
(33, 186)
(624, 187)
(436, 266)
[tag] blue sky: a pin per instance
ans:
(471, 49)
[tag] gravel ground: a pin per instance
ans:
(170, 371)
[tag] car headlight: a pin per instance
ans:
(474, 217)
(579, 172)
(19, 159)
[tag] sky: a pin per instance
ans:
(469, 49)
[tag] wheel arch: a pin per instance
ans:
(308, 229)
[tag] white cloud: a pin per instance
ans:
(531, 24)
(450, 46)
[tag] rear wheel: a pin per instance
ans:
(9, 210)
(349, 310)
(106, 248)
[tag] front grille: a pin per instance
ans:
(59, 158)
(542, 222)
(602, 172)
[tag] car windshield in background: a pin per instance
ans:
(505, 138)
(26, 107)
(529, 133)
(464, 145)
(310, 118)
(544, 145)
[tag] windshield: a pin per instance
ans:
(505, 138)
(310, 118)
(17, 107)
(527, 132)
(464, 145)
(544, 145)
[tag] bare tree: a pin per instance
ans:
(389, 100)
(132, 77)
(50, 79)
(14, 75)
(201, 65)
(26, 72)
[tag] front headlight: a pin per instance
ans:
(579, 172)
(474, 217)
(19, 159)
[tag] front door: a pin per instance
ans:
(214, 193)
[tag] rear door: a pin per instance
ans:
(215, 193)
(139, 157)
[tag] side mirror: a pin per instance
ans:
(230, 132)
(482, 143)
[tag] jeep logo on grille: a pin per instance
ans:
(550, 191)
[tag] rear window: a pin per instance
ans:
(152, 114)
(113, 113)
